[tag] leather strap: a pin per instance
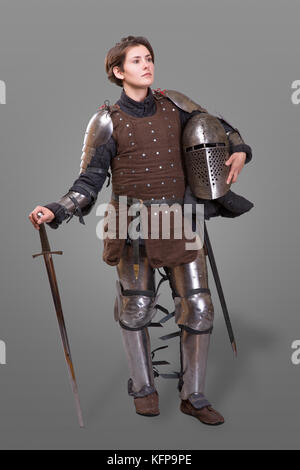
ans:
(77, 211)
(200, 290)
(146, 293)
(94, 169)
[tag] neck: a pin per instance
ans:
(136, 94)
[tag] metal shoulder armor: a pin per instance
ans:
(233, 134)
(98, 132)
(183, 102)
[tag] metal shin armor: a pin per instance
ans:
(138, 351)
(194, 353)
(97, 133)
(206, 149)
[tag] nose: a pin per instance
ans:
(145, 64)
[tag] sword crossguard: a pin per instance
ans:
(48, 253)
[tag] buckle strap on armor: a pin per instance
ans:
(160, 363)
(95, 169)
(200, 290)
(156, 363)
(125, 327)
(175, 375)
(77, 211)
(158, 349)
(196, 332)
(146, 293)
(163, 279)
(171, 335)
(156, 324)
(99, 171)
(168, 315)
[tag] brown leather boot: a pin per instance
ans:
(148, 405)
(206, 415)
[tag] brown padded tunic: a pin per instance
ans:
(148, 166)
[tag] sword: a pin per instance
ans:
(219, 288)
(47, 253)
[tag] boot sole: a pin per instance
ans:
(149, 415)
(203, 422)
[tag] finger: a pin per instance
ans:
(235, 177)
(35, 215)
(33, 222)
(229, 177)
(42, 218)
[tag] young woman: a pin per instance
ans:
(139, 140)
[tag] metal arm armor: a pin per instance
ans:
(98, 132)
(183, 102)
(234, 135)
(186, 104)
(74, 203)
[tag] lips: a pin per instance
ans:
(146, 74)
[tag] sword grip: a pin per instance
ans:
(44, 238)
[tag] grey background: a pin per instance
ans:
(236, 58)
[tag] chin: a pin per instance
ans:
(145, 85)
(148, 81)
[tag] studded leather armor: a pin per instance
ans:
(148, 166)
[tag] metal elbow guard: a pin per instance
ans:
(235, 138)
(233, 134)
(76, 204)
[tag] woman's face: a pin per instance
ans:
(138, 68)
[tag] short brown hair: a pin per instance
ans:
(116, 55)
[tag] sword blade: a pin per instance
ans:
(61, 322)
(219, 289)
